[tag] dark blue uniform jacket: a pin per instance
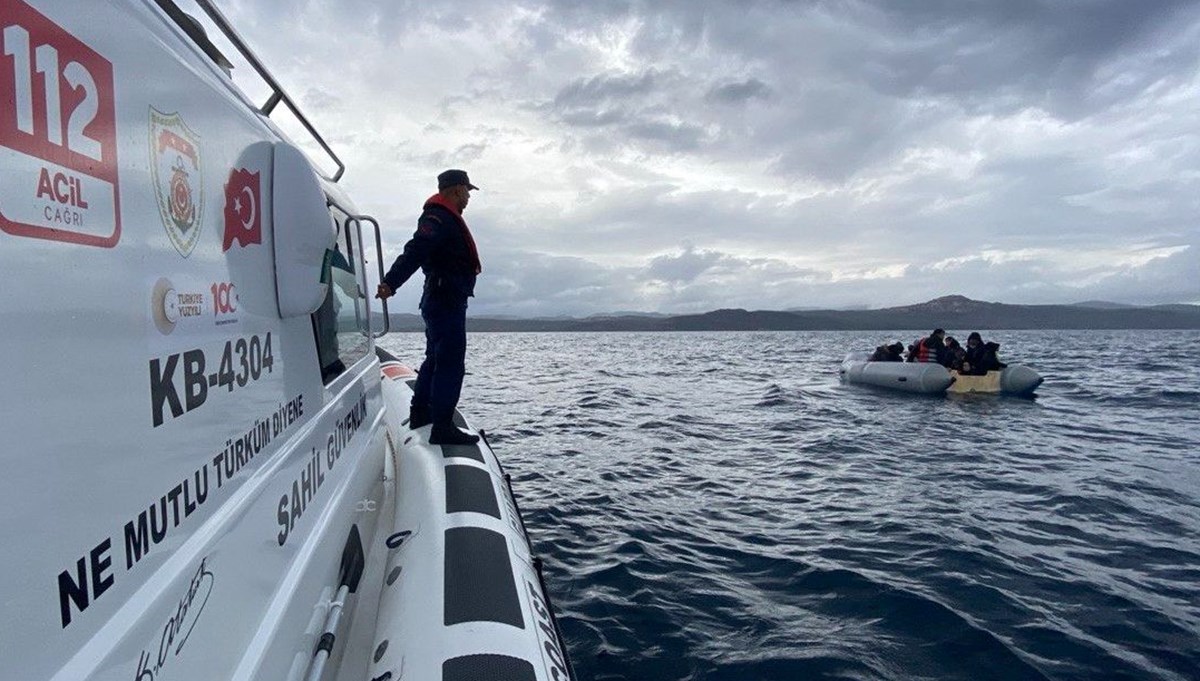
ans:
(441, 250)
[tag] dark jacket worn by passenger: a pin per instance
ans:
(888, 353)
(443, 248)
(982, 358)
(953, 357)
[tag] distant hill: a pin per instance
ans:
(1104, 305)
(955, 312)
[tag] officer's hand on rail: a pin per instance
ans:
(384, 292)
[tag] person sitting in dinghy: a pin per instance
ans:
(954, 356)
(930, 348)
(889, 353)
(981, 357)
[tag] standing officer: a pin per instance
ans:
(445, 251)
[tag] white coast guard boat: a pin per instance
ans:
(206, 474)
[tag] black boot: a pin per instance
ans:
(448, 434)
(418, 417)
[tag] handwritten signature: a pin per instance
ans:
(178, 628)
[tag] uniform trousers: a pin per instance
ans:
(439, 382)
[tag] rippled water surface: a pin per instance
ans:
(717, 506)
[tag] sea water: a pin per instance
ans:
(718, 506)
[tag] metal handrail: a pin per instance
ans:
(278, 94)
(358, 220)
(360, 283)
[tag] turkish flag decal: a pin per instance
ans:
(243, 217)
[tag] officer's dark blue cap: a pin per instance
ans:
(453, 178)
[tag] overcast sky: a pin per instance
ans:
(688, 155)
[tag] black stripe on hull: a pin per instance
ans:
(489, 667)
(470, 489)
(479, 584)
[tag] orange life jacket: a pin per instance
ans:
(925, 352)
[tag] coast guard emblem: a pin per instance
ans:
(178, 182)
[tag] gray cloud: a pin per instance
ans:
(683, 155)
(687, 281)
(684, 267)
(604, 88)
(674, 136)
(738, 92)
(1031, 44)
(630, 108)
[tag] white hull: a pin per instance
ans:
(463, 598)
(197, 477)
